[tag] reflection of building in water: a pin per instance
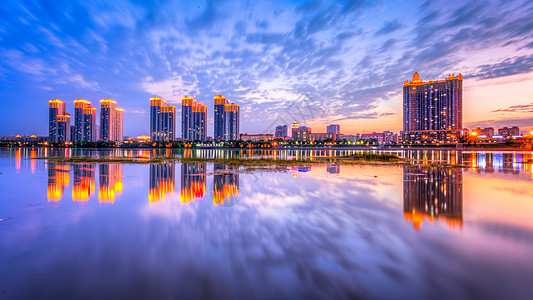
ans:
(193, 185)
(58, 179)
(334, 169)
(110, 182)
(18, 158)
(226, 185)
(296, 171)
(162, 181)
(433, 194)
(83, 185)
(497, 161)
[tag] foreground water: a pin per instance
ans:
(166, 231)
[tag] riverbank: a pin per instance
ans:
(314, 148)
(381, 159)
(364, 158)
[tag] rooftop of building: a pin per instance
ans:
(417, 81)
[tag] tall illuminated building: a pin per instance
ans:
(63, 128)
(119, 128)
(232, 120)
(79, 106)
(162, 121)
(155, 118)
(111, 121)
(227, 119)
(220, 102)
(89, 124)
(433, 110)
(56, 108)
(193, 120)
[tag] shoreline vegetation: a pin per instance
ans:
(384, 159)
(266, 146)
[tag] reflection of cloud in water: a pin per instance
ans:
(316, 235)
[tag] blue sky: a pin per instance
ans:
(316, 62)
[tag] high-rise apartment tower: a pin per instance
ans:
(193, 120)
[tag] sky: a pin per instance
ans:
(314, 62)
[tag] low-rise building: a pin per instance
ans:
(431, 136)
(322, 136)
(509, 131)
(349, 137)
(257, 137)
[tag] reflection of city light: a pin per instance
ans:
(162, 180)
(226, 184)
(84, 182)
(433, 195)
(193, 186)
(33, 155)
(58, 179)
(110, 182)
(195, 191)
(18, 158)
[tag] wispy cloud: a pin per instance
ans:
(352, 56)
(525, 108)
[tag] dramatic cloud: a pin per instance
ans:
(350, 57)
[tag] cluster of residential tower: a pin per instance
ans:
(193, 120)
(85, 128)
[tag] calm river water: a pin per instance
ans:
(193, 230)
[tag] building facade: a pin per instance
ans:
(232, 122)
(334, 128)
(220, 102)
(168, 123)
(281, 131)
(193, 120)
(257, 137)
(509, 131)
(111, 121)
(432, 110)
(162, 120)
(79, 106)
(227, 120)
(301, 133)
(322, 136)
(63, 128)
(89, 124)
(56, 108)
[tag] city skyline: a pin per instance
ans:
(432, 112)
(345, 59)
